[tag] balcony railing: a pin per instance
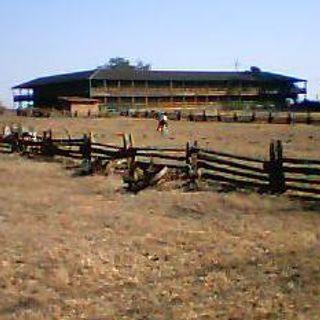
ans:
(158, 92)
(297, 90)
(22, 97)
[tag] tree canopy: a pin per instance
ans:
(119, 63)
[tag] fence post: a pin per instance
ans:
(131, 157)
(191, 116)
(86, 151)
(86, 165)
(43, 148)
(308, 120)
(281, 176)
(275, 170)
(188, 153)
(289, 118)
(125, 140)
(253, 116)
(204, 115)
(193, 171)
(270, 117)
(15, 144)
(235, 117)
(47, 148)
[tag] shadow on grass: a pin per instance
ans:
(24, 303)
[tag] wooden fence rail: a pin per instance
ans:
(277, 174)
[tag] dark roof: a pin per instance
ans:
(192, 75)
(67, 77)
(258, 76)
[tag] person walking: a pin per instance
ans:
(163, 123)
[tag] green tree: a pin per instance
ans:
(119, 63)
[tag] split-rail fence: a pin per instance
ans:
(277, 174)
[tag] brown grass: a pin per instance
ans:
(80, 248)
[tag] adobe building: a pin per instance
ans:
(79, 106)
(158, 90)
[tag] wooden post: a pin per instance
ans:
(253, 116)
(204, 115)
(235, 117)
(86, 165)
(43, 148)
(289, 118)
(131, 140)
(308, 120)
(47, 145)
(219, 117)
(191, 117)
(280, 171)
(86, 150)
(270, 117)
(275, 168)
(15, 143)
(187, 153)
(131, 155)
(193, 167)
(127, 141)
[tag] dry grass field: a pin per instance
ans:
(82, 248)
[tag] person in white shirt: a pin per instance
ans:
(163, 122)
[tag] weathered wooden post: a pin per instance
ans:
(235, 117)
(47, 148)
(275, 169)
(308, 119)
(43, 146)
(187, 153)
(127, 141)
(270, 167)
(133, 173)
(204, 115)
(219, 117)
(86, 165)
(289, 118)
(86, 150)
(191, 116)
(270, 117)
(253, 117)
(193, 171)
(179, 115)
(281, 176)
(15, 143)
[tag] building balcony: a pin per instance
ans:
(23, 97)
(298, 90)
(171, 92)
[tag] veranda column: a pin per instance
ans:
(146, 86)
(119, 97)
(132, 97)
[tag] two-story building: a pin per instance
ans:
(146, 89)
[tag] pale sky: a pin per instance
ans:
(41, 37)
